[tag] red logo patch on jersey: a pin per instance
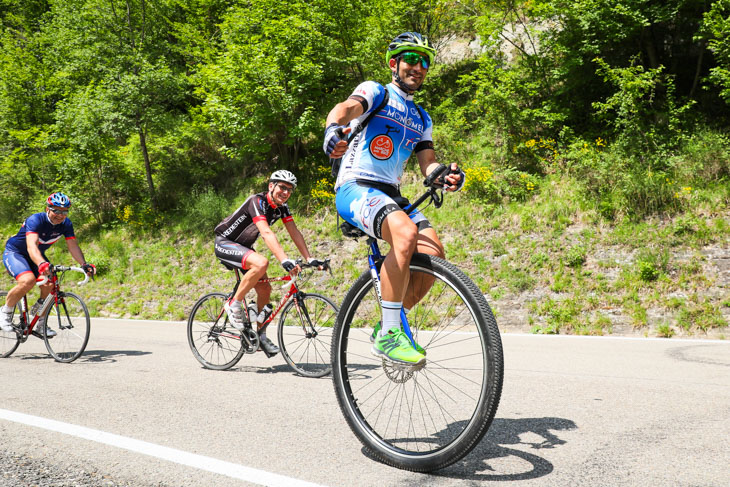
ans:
(381, 147)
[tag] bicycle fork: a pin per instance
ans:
(373, 257)
(304, 317)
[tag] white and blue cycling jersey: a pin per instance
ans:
(379, 152)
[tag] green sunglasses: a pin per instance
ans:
(414, 58)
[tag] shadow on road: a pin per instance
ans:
(503, 434)
(274, 369)
(109, 355)
(497, 457)
(89, 355)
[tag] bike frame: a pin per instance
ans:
(375, 256)
(27, 327)
(291, 293)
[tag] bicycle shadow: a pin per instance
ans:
(98, 356)
(492, 447)
(93, 356)
(275, 369)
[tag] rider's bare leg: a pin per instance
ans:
(263, 293)
(255, 266)
(25, 283)
(402, 235)
(420, 283)
(263, 297)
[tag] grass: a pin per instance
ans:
(553, 256)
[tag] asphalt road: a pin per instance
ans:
(137, 409)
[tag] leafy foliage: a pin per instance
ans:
(146, 104)
(717, 28)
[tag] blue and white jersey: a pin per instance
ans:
(48, 233)
(379, 152)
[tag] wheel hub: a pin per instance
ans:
(401, 373)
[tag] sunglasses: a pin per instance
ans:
(284, 188)
(414, 58)
(58, 212)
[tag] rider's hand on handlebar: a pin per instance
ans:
(319, 264)
(291, 267)
(454, 180)
(90, 269)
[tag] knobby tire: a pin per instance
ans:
(426, 419)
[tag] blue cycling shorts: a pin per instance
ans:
(365, 204)
(18, 264)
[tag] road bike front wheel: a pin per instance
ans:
(305, 334)
(215, 343)
(69, 318)
(420, 418)
(9, 340)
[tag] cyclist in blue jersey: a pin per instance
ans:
(368, 183)
(25, 256)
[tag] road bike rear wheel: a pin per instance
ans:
(215, 343)
(305, 334)
(9, 340)
(428, 418)
(69, 318)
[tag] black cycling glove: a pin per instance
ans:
(332, 135)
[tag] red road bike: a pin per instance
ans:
(304, 331)
(64, 312)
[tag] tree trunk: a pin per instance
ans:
(649, 46)
(147, 166)
(698, 72)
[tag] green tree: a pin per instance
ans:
(717, 28)
(277, 65)
(119, 52)
(547, 53)
(29, 91)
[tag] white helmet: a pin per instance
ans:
(284, 176)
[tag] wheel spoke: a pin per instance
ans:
(69, 318)
(9, 340)
(305, 334)
(212, 339)
(424, 410)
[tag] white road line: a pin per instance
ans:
(201, 462)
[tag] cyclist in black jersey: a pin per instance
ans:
(235, 237)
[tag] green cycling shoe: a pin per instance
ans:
(396, 347)
(419, 348)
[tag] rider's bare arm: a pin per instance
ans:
(75, 250)
(297, 238)
(31, 240)
(270, 240)
(345, 112)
